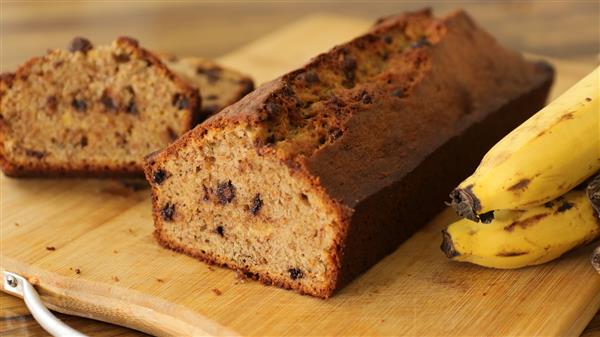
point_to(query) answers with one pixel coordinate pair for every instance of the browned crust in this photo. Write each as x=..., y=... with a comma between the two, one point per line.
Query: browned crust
x=89, y=170
x=264, y=279
x=85, y=170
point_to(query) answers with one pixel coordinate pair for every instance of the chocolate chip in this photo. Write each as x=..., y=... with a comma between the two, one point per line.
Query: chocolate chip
x=247, y=85
x=398, y=92
x=270, y=139
x=225, y=192
x=273, y=108
x=83, y=142
x=220, y=230
x=131, y=107
x=208, y=110
x=336, y=102
x=34, y=153
x=387, y=39
x=80, y=44
x=121, y=58
x=130, y=90
x=256, y=205
x=213, y=74
x=79, y=105
x=364, y=97
x=107, y=101
x=349, y=63
x=295, y=273
x=52, y=103
x=168, y=211
x=422, y=41
x=180, y=101
x=7, y=78
x=206, y=196
x=309, y=77
x=287, y=91
x=172, y=134
x=384, y=55
x=159, y=176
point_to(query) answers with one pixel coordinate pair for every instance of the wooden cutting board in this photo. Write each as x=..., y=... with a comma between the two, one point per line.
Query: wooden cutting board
x=88, y=246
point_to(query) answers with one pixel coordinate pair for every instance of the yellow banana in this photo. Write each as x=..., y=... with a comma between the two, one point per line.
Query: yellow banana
x=520, y=238
x=546, y=156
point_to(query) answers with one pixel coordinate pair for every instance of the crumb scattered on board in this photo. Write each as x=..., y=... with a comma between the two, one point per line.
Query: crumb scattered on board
x=217, y=291
x=160, y=280
x=115, y=278
x=240, y=277
x=50, y=248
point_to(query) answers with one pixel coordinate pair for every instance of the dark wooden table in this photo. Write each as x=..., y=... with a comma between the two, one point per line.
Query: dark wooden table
x=567, y=30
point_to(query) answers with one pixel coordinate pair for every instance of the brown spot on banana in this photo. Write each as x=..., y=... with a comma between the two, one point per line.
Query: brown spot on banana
x=520, y=185
x=448, y=246
x=568, y=115
x=510, y=254
x=532, y=220
x=565, y=206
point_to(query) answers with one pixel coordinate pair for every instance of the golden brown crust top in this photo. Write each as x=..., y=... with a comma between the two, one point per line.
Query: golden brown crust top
x=449, y=70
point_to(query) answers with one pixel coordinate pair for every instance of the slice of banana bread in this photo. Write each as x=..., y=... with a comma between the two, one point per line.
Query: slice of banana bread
x=314, y=177
x=91, y=111
x=219, y=86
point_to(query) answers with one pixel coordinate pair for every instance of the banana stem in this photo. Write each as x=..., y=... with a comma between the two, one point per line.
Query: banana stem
x=593, y=193
x=466, y=205
x=596, y=259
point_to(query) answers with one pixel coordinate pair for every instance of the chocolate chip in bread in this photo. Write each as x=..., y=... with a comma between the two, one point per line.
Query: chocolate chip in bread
x=219, y=86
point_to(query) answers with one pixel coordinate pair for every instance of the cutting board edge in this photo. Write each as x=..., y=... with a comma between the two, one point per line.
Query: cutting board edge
x=125, y=307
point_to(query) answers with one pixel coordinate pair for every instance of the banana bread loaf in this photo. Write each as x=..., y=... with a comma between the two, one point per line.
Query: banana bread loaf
x=314, y=177
x=91, y=111
x=219, y=86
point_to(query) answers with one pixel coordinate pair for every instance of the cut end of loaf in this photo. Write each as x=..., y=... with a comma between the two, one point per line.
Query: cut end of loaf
x=90, y=111
x=220, y=200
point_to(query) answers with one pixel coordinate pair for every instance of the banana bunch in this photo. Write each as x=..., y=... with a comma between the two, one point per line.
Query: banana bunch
x=542, y=159
x=518, y=238
x=520, y=205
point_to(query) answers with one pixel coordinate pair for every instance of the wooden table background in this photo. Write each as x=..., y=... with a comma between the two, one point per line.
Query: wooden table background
x=562, y=29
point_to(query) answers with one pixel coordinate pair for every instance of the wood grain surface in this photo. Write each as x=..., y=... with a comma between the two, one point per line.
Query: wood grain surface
x=109, y=199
